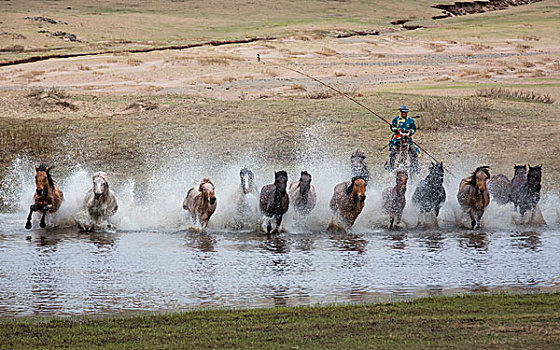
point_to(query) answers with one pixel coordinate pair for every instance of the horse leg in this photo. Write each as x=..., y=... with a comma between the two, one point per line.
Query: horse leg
x=473, y=220
x=43, y=224
x=268, y=226
x=31, y=210
x=391, y=221
x=278, y=222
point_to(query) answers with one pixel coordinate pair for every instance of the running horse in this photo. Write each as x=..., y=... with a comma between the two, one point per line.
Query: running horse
x=348, y=200
x=201, y=202
x=473, y=195
x=274, y=201
x=302, y=194
x=100, y=202
x=430, y=194
x=394, y=199
x=47, y=197
x=530, y=195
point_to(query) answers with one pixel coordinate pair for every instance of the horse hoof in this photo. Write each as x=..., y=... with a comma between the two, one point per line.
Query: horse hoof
x=43, y=225
x=28, y=225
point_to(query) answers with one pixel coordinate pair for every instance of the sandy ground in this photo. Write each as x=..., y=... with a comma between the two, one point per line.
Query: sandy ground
x=355, y=64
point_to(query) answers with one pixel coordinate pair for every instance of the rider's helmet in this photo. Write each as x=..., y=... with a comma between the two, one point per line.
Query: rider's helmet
x=404, y=108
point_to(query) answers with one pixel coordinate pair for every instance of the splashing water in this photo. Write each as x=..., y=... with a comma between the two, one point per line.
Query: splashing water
x=156, y=202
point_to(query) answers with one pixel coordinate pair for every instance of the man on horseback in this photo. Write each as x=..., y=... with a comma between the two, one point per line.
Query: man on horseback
x=403, y=127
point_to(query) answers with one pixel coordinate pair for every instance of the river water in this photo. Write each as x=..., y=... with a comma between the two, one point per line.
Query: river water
x=153, y=261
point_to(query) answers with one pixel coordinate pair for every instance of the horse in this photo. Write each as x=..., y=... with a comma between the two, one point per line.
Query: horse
x=394, y=199
x=274, y=201
x=302, y=194
x=499, y=187
x=246, y=201
x=348, y=200
x=358, y=166
x=473, y=195
x=518, y=182
x=530, y=194
x=100, y=202
x=47, y=197
x=201, y=202
x=429, y=195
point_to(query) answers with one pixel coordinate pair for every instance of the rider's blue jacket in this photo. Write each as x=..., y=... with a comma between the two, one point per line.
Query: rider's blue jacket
x=405, y=125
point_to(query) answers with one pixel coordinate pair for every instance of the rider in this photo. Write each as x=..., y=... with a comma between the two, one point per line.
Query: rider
x=403, y=127
x=359, y=166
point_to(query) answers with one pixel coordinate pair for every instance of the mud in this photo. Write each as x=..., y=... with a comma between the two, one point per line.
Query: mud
x=462, y=8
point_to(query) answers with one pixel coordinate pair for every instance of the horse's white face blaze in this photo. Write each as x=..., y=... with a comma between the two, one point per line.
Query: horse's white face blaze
x=208, y=192
x=246, y=183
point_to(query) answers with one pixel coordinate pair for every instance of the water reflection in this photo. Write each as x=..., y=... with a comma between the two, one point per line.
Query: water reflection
x=276, y=244
x=202, y=241
x=527, y=240
x=476, y=240
x=398, y=239
x=349, y=242
x=433, y=240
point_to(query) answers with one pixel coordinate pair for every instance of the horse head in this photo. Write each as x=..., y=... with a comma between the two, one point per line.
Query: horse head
x=534, y=176
x=436, y=173
x=357, y=189
x=401, y=179
x=520, y=169
x=100, y=184
x=281, y=180
x=247, y=180
x=480, y=176
x=304, y=182
x=43, y=179
x=206, y=188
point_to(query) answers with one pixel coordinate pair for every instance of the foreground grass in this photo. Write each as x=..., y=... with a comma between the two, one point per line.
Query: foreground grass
x=475, y=321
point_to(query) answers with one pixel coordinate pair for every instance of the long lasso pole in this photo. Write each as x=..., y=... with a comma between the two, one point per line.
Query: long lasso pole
x=345, y=95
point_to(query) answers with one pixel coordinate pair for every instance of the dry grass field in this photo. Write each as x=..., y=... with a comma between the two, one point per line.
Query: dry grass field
x=218, y=99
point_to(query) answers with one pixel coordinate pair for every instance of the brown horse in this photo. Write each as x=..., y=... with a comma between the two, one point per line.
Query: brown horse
x=348, y=200
x=302, y=194
x=274, y=201
x=394, y=199
x=473, y=194
x=201, y=202
x=47, y=197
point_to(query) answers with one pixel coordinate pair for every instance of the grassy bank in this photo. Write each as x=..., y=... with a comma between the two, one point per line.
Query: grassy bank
x=476, y=321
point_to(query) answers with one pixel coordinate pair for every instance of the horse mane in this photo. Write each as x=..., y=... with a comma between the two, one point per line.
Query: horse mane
x=305, y=173
x=280, y=173
x=471, y=180
x=205, y=180
x=47, y=170
x=351, y=187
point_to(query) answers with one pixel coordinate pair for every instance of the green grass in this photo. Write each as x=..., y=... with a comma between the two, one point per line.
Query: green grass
x=465, y=322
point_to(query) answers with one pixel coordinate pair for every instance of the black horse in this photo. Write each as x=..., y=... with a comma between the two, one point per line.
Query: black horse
x=531, y=190
x=274, y=201
x=429, y=196
x=518, y=185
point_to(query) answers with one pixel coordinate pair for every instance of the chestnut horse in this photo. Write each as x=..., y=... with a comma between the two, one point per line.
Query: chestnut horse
x=274, y=201
x=473, y=195
x=394, y=199
x=302, y=194
x=47, y=197
x=348, y=200
x=201, y=202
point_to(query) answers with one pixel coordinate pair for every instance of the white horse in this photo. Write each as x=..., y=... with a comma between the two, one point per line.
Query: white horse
x=246, y=201
x=100, y=202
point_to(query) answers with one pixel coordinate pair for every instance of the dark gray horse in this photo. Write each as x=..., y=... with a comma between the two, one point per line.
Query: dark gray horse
x=429, y=196
x=302, y=194
x=531, y=190
x=518, y=184
x=274, y=201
